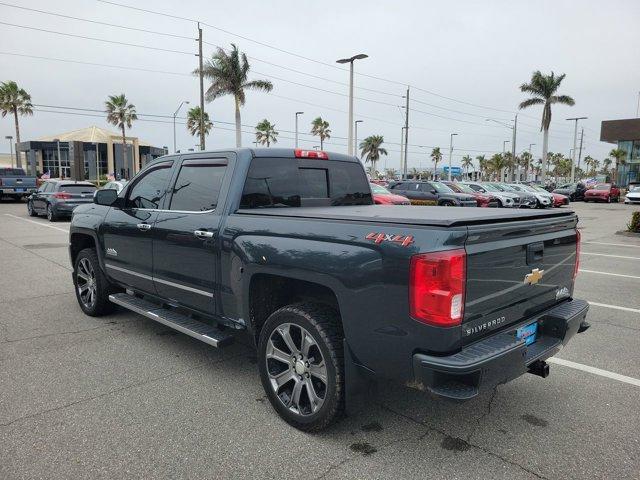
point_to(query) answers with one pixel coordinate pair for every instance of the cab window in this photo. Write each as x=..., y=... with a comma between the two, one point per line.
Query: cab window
x=150, y=190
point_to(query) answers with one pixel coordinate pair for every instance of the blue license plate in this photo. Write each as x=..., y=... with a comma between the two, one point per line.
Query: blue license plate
x=528, y=333
x=19, y=189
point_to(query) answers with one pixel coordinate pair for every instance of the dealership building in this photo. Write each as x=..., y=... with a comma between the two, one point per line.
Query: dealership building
x=86, y=154
x=626, y=135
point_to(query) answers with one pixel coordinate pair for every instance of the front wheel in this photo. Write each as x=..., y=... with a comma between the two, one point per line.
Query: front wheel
x=301, y=365
x=91, y=286
x=31, y=210
x=447, y=203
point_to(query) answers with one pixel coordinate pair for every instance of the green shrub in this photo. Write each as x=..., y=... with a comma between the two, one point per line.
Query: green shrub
x=634, y=224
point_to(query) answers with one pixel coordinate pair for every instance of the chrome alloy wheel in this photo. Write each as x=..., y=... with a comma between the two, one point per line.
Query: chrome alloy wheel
x=297, y=371
x=86, y=283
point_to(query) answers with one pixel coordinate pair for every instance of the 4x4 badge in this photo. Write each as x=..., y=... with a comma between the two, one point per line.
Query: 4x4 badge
x=534, y=277
x=404, y=240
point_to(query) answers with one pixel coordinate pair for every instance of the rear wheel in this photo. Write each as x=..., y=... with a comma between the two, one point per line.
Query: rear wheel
x=51, y=216
x=447, y=203
x=91, y=286
x=301, y=365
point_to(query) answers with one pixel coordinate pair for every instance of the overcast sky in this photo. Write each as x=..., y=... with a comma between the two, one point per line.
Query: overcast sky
x=470, y=51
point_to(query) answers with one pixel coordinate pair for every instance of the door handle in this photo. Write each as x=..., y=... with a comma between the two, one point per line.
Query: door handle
x=203, y=234
x=143, y=226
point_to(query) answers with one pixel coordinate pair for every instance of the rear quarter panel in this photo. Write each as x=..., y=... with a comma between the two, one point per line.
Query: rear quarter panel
x=369, y=280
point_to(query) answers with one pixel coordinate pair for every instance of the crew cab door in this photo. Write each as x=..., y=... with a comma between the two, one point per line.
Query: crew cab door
x=186, y=234
x=127, y=230
x=428, y=192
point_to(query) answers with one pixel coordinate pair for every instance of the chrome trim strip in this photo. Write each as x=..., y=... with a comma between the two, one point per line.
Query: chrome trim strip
x=160, y=280
x=183, y=287
x=129, y=272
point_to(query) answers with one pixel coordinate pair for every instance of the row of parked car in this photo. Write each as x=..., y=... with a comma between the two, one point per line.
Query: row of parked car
x=467, y=194
x=601, y=192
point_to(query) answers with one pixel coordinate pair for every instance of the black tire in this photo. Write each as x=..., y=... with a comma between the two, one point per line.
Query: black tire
x=101, y=305
x=447, y=203
x=31, y=210
x=51, y=215
x=322, y=323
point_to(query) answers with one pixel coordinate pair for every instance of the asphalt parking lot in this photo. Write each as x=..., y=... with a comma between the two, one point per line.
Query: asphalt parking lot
x=124, y=397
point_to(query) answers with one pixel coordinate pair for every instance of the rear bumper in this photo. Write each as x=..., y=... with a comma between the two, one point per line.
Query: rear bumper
x=65, y=208
x=498, y=358
x=17, y=190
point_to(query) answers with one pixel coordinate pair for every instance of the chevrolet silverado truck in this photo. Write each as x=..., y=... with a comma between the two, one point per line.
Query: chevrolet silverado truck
x=15, y=183
x=287, y=247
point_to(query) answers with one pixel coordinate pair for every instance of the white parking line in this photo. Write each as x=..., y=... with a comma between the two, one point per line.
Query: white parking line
x=608, y=255
x=615, y=307
x=595, y=371
x=582, y=270
x=613, y=244
x=37, y=223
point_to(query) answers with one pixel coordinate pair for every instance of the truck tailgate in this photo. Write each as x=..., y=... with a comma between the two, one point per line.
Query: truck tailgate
x=515, y=270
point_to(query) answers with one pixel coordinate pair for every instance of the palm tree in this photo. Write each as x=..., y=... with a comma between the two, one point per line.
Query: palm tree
x=467, y=162
x=525, y=160
x=436, y=156
x=15, y=100
x=588, y=161
x=371, y=149
x=544, y=89
x=509, y=164
x=193, y=122
x=620, y=157
x=121, y=114
x=606, y=163
x=497, y=164
x=320, y=128
x=391, y=172
x=415, y=173
x=266, y=133
x=482, y=165
x=228, y=74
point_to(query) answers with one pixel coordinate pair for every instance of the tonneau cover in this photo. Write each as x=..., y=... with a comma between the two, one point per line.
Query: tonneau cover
x=418, y=215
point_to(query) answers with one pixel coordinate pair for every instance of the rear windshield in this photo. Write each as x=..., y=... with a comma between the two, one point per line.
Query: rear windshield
x=289, y=182
x=77, y=188
x=11, y=172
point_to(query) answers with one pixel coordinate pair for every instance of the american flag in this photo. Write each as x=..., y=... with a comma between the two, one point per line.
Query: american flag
x=46, y=176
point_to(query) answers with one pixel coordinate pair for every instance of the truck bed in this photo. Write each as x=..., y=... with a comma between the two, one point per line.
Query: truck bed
x=416, y=215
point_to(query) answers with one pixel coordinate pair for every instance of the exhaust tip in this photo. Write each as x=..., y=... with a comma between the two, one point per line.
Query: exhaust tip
x=539, y=368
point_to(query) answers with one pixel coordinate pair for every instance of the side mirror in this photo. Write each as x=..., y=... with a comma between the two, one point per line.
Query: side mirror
x=105, y=197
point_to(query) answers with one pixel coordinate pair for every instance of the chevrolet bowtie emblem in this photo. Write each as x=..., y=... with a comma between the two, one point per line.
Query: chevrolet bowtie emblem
x=534, y=277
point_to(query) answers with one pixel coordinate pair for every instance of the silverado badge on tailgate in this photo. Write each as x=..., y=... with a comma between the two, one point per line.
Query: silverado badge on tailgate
x=534, y=277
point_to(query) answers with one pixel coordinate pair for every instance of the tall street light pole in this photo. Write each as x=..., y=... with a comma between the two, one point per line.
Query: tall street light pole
x=575, y=140
x=350, y=61
x=10, y=138
x=174, y=123
x=355, y=143
x=451, y=152
x=297, y=113
x=201, y=80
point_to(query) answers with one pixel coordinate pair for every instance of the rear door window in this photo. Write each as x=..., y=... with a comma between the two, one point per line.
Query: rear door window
x=198, y=185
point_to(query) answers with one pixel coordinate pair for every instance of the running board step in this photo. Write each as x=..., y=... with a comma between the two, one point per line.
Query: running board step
x=201, y=331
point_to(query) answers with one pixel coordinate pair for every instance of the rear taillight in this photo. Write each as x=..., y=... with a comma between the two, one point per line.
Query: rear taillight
x=577, y=265
x=62, y=195
x=311, y=154
x=436, y=287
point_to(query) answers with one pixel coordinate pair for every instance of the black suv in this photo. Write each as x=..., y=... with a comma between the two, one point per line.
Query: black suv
x=58, y=198
x=575, y=191
x=432, y=193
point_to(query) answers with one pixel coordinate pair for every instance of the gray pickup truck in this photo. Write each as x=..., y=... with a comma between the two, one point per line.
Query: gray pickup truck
x=15, y=183
x=286, y=247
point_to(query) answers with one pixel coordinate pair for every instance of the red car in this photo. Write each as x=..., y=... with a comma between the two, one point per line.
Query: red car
x=603, y=192
x=560, y=200
x=382, y=196
x=482, y=199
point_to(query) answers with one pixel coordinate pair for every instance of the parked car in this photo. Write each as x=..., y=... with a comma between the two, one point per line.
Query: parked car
x=575, y=191
x=505, y=199
x=558, y=199
x=286, y=248
x=116, y=185
x=527, y=199
x=633, y=195
x=482, y=199
x=58, y=198
x=434, y=193
x=603, y=192
x=382, y=196
x=543, y=198
x=15, y=183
